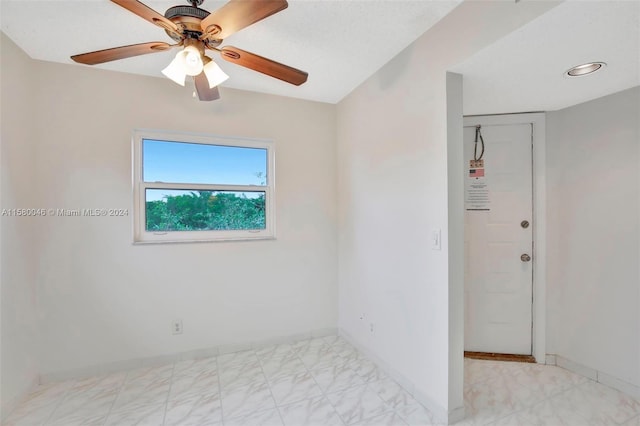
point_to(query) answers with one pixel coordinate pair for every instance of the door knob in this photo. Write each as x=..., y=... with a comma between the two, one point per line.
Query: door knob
x=525, y=257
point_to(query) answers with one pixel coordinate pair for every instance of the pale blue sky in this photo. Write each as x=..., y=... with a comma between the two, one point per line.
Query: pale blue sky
x=179, y=162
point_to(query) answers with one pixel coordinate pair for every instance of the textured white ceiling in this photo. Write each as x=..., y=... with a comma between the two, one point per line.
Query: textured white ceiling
x=339, y=43
x=525, y=70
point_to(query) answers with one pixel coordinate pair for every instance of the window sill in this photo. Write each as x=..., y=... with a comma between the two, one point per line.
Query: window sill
x=217, y=240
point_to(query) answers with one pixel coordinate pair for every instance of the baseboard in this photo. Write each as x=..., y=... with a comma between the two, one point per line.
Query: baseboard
x=132, y=364
x=457, y=415
x=9, y=405
x=621, y=385
x=582, y=370
x=595, y=375
x=441, y=414
x=550, y=359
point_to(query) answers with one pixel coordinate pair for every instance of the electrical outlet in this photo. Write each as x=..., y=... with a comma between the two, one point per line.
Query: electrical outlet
x=177, y=326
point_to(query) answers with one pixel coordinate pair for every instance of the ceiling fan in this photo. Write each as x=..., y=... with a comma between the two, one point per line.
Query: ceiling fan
x=197, y=30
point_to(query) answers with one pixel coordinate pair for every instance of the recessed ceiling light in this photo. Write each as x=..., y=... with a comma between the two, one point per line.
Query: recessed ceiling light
x=585, y=69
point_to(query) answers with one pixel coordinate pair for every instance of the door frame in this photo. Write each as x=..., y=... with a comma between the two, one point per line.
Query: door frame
x=539, y=264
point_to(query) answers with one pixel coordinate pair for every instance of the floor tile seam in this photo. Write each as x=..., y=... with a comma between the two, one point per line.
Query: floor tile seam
x=302, y=348
x=349, y=387
x=276, y=378
x=549, y=398
x=636, y=413
x=366, y=385
x=590, y=381
x=313, y=377
x=538, y=401
x=270, y=391
x=401, y=403
x=308, y=347
x=378, y=415
x=587, y=421
x=512, y=413
x=220, y=372
x=194, y=386
x=297, y=401
x=483, y=380
x=283, y=374
x=519, y=386
x=233, y=388
x=263, y=361
x=281, y=416
x=346, y=365
x=166, y=400
x=369, y=385
x=633, y=416
x=239, y=364
x=280, y=374
x=563, y=391
x=406, y=419
x=493, y=418
x=62, y=399
x=58, y=403
x=65, y=398
x=637, y=416
x=324, y=394
x=181, y=374
x=220, y=390
x=252, y=413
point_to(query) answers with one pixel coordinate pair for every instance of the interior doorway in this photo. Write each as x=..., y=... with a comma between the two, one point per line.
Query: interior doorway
x=504, y=205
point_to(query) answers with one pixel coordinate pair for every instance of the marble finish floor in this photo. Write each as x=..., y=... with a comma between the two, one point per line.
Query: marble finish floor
x=322, y=381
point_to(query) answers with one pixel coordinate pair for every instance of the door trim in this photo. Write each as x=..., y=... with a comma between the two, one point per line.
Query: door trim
x=537, y=119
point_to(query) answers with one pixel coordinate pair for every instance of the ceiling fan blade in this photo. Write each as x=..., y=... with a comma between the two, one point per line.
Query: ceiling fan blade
x=145, y=12
x=263, y=65
x=238, y=14
x=203, y=90
x=113, y=54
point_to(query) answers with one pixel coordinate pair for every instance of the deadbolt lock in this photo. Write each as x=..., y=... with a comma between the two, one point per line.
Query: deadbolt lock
x=525, y=257
x=524, y=224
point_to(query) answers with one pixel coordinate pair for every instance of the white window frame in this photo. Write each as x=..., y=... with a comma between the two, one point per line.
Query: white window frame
x=142, y=236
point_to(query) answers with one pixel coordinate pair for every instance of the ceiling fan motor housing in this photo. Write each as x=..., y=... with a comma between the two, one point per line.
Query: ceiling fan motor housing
x=182, y=10
x=187, y=16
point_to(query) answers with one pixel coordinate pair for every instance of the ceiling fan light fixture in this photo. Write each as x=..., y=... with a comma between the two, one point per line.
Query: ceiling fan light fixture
x=195, y=30
x=192, y=60
x=175, y=70
x=214, y=73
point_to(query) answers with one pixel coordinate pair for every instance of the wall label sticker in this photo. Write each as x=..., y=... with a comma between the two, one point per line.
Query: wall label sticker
x=475, y=164
x=476, y=189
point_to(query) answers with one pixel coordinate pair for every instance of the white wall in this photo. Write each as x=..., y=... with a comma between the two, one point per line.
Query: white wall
x=455, y=233
x=394, y=189
x=103, y=300
x=593, y=242
x=19, y=367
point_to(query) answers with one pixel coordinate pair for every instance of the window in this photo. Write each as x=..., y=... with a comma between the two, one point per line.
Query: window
x=201, y=188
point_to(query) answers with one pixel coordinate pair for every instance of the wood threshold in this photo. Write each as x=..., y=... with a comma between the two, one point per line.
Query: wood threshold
x=499, y=357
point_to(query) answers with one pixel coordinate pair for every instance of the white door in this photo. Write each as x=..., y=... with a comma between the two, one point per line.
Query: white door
x=498, y=244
